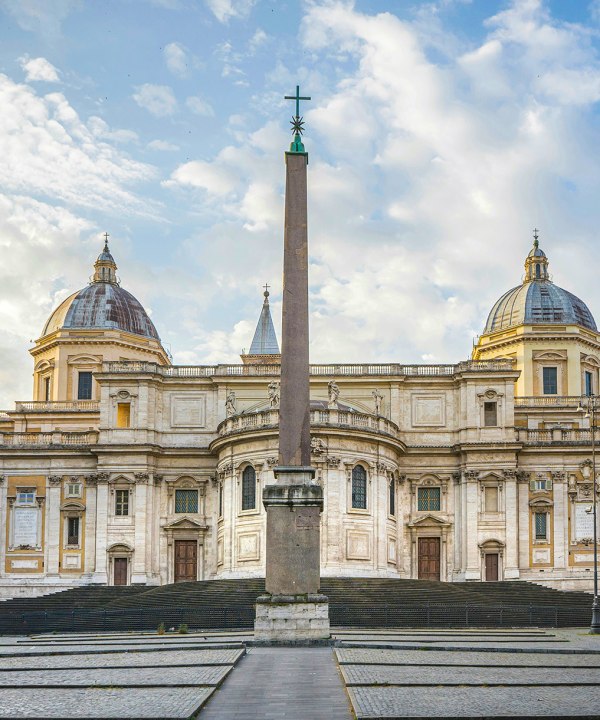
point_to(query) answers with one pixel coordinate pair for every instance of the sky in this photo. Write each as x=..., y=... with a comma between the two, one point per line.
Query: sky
x=439, y=133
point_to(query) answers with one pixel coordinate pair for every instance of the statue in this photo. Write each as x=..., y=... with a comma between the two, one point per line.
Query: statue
x=334, y=392
x=273, y=388
x=230, y=404
x=377, y=397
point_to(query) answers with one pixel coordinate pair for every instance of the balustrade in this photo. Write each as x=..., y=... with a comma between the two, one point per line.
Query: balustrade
x=58, y=406
x=20, y=439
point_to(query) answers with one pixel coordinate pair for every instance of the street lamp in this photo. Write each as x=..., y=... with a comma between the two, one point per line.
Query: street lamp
x=590, y=404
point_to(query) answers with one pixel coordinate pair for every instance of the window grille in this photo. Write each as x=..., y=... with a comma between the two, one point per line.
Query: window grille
x=73, y=531
x=121, y=502
x=84, y=386
x=429, y=498
x=359, y=488
x=541, y=526
x=249, y=488
x=186, y=501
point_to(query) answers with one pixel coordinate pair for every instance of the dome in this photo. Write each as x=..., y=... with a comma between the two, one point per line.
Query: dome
x=103, y=305
x=538, y=301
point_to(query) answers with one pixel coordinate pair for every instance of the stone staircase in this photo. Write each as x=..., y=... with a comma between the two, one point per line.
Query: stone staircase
x=354, y=602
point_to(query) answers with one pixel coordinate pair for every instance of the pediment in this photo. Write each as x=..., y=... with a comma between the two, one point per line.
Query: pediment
x=185, y=523
x=429, y=521
x=72, y=505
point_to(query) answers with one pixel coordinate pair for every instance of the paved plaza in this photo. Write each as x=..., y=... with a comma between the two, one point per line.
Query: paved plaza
x=367, y=674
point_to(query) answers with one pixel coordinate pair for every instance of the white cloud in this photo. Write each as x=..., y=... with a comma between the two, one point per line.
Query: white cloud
x=48, y=150
x=199, y=106
x=159, y=100
x=176, y=59
x=225, y=10
x=39, y=70
x=42, y=16
x=163, y=145
x=100, y=129
x=259, y=39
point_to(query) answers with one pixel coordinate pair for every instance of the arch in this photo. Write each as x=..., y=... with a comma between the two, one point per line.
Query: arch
x=359, y=487
x=121, y=548
x=249, y=487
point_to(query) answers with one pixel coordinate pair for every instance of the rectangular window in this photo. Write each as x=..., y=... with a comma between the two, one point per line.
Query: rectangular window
x=220, y=499
x=490, y=414
x=123, y=415
x=73, y=531
x=186, y=501
x=392, y=497
x=541, y=525
x=541, y=484
x=73, y=489
x=550, y=380
x=121, y=502
x=84, y=386
x=490, y=499
x=428, y=498
x=589, y=387
x=25, y=497
x=46, y=389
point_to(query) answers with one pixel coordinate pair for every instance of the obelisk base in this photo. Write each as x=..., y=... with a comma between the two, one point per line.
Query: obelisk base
x=292, y=609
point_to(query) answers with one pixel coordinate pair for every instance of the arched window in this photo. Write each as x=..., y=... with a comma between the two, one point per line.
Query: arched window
x=538, y=273
x=392, y=497
x=359, y=488
x=249, y=488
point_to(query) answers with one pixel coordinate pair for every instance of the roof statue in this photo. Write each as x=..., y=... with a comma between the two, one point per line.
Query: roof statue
x=538, y=301
x=265, y=339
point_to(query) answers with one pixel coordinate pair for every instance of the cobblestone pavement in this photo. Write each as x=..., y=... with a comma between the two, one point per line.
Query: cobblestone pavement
x=492, y=681
x=129, y=659
x=367, y=656
x=104, y=703
x=412, y=702
x=133, y=677
x=275, y=683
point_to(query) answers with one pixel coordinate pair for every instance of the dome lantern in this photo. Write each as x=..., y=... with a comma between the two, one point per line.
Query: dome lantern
x=536, y=263
x=105, y=267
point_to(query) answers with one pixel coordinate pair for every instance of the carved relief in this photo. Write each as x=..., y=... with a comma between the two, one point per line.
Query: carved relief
x=317, y=446
x=55, y=479
x=141, y=477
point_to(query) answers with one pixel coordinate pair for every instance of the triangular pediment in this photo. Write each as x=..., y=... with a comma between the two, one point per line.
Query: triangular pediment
x=185, y=523
x=429, y=521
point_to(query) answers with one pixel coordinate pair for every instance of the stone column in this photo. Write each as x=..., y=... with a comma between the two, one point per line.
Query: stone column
x=100, y=573
x=473, y=560
x=292, y=608
x=511, y=515
x=53, y=538
x=138, y=575
x=90, y=523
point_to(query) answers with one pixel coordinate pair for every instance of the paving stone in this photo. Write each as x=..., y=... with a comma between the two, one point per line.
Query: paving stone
x=101, y=703
x=211, y=675
x=368, y=656
x=124, y=659
x=419, y=675
x=20, y=650
x=411, y=702
x=290, y=683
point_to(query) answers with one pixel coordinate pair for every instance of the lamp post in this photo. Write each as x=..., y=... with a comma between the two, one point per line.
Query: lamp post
x=590, y=404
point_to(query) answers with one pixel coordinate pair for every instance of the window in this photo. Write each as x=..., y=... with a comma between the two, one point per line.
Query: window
x=359, y=488
x=249, y=488
x=392, y=497
x=490, y=414
x=73, y=489
x=490, y=498
x=84, y=386
x=73, y=531
x=25, y=497
x=122, y=502
x=550, y=380
x=123, y=415
x=428, y=498
x=541, y=484
x=541, y=525
x=46, y=389
x=538, y=273
x=186, y=501
x=220, y=499
x=589, y=386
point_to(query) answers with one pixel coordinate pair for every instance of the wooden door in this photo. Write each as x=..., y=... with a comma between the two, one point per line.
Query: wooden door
x=186, y=560
x=491, y=567
x=120, y=571
x=429, y=558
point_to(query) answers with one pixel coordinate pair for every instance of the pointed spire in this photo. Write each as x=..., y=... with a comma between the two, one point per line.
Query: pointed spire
x=536, y=263
x=105, y=267
x=265, y=339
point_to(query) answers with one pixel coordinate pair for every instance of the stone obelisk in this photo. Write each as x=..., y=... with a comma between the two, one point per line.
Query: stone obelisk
x=292, y=608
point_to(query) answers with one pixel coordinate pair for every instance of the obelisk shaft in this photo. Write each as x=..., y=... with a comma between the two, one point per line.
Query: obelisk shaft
x=294, y=412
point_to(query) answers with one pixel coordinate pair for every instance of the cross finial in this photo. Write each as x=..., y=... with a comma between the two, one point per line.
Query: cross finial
x=266, y=287
x=535, y=236
x=297, y=97
x=297, y=122
x=106, y=236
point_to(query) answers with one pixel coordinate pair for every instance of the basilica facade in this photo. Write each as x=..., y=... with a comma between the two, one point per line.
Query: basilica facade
x=125, y=468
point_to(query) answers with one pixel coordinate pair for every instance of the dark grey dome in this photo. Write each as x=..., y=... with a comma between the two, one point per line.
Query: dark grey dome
x=538, y=300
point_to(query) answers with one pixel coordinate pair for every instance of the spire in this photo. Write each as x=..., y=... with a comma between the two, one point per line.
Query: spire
x=105, y=267
x=536, y=263
x=265, y=340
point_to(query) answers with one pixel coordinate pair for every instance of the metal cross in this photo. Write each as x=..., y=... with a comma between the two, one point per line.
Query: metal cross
x=297, y=98
x=266, y=287
x=535, y=233
x=106, y=236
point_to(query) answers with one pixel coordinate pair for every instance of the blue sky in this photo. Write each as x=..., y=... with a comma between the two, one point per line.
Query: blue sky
x=440, y=133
